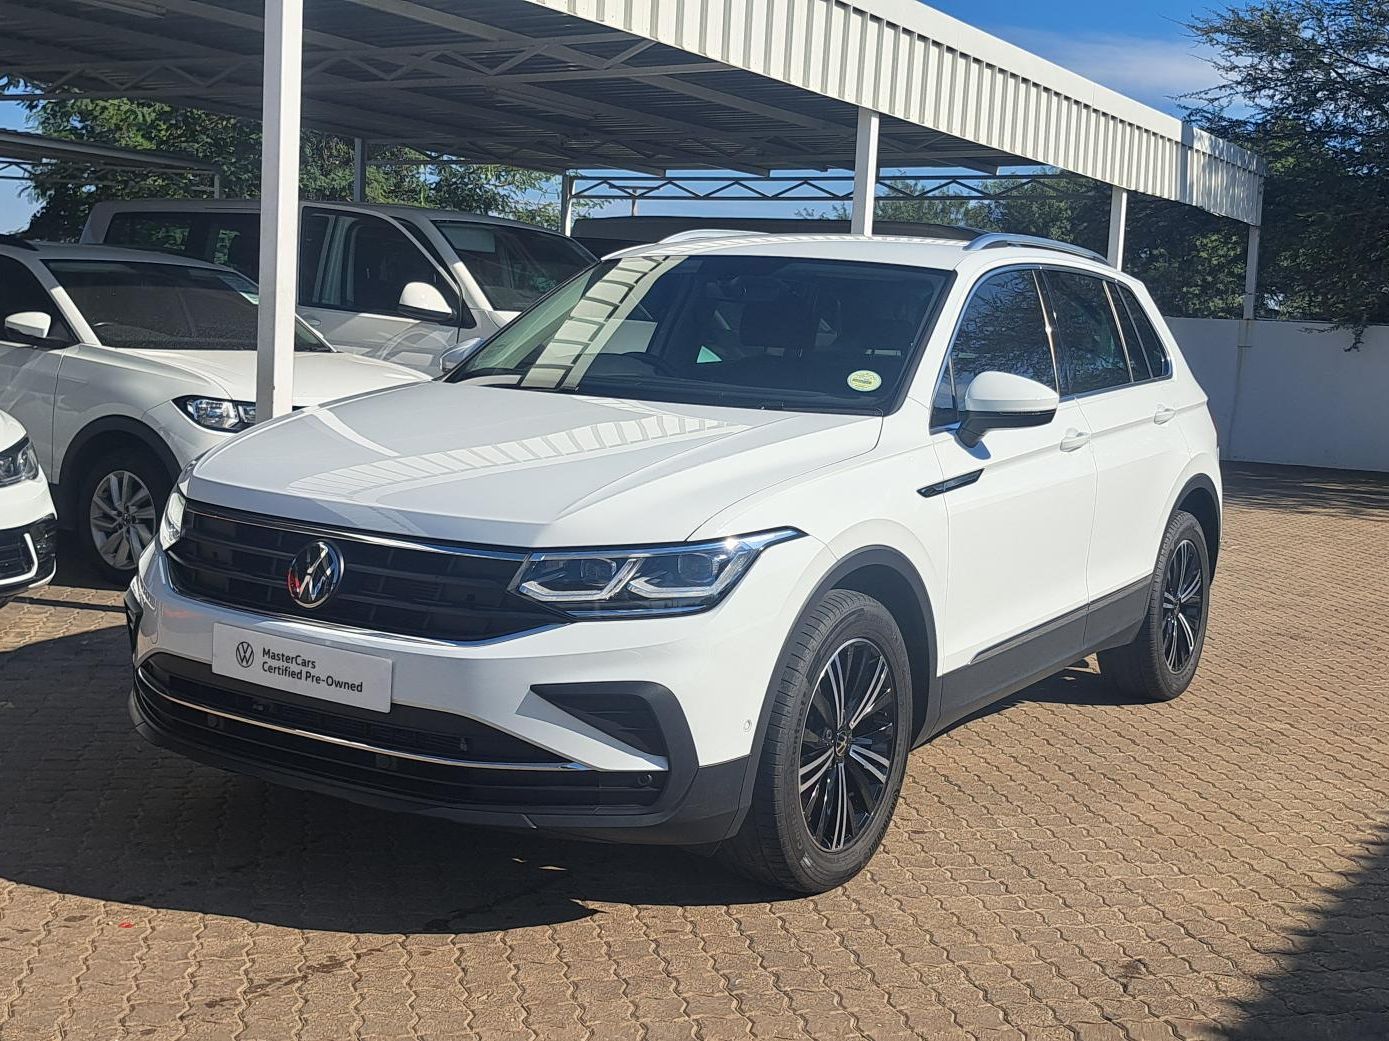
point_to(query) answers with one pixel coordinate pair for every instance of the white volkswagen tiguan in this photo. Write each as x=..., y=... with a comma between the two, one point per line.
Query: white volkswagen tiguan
x=699, y=548
x=124, y=365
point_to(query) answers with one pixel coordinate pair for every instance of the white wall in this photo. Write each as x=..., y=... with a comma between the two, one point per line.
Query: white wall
x=1303, y=398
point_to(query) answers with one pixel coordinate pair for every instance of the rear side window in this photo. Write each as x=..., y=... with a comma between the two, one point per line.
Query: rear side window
x=1144, y=340
x=1003, y=329
x=1092, y=348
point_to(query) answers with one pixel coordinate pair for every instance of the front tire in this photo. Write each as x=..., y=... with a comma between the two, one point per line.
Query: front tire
x=835, y=750
x=119, y=503
x=1160, y=663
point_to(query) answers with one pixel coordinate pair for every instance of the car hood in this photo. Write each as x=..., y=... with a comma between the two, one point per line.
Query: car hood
x=317, y=377
x=516, y=468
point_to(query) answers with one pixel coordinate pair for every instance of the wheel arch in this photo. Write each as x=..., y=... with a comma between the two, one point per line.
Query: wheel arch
x=1199, y=498
x=98, y=438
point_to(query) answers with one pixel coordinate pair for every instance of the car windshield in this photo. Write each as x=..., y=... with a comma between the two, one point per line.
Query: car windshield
x=747, y=331
x=166, y=307
x=514, y=266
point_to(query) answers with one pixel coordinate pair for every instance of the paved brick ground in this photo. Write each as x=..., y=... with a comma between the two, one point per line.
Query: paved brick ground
x=1064, y=867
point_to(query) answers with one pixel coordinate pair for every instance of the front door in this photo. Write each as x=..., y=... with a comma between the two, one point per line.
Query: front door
x=29, y=372
x=1019, y=504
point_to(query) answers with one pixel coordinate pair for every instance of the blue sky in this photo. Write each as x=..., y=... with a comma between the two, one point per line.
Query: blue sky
x=1138, y=47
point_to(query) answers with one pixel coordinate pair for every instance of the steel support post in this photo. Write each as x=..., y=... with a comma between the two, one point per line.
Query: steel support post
x=279, y=207
x=865, y=172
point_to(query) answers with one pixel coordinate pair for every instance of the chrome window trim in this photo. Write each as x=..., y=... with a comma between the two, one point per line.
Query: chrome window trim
x=360, y=746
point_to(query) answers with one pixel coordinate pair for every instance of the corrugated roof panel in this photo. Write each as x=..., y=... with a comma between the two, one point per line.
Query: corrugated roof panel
x=981, y=90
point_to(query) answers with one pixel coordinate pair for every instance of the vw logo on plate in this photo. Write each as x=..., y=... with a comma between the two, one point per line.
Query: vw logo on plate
x=245, y=655
x=315, y=574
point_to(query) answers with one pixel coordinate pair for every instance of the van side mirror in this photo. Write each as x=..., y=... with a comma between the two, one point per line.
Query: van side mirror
x=998, y=400
x=456, y=356
x=31, y=327
x=424, y=301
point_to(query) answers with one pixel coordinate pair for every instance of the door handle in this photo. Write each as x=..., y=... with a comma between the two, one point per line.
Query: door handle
x=1075, y=439
x=1163, y=414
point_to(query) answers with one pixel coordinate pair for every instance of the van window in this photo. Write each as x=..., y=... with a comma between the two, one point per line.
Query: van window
x=514, y=266
x=356, y=262
x=233, y=239
x=165, y=232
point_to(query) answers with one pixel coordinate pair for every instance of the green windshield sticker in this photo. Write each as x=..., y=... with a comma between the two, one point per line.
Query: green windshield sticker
x=865, y=381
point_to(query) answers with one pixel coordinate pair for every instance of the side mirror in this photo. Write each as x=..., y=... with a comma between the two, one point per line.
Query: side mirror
x=456, y=356
x=997, y=400
x=423, y=301
x=29, y=326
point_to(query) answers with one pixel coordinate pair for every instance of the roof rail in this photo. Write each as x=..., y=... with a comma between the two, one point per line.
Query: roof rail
x=18, y=241
x=994, y=239
x=694, y=234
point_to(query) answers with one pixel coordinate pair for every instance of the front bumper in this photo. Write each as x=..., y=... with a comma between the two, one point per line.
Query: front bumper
x=551, y=709
x=28, y=557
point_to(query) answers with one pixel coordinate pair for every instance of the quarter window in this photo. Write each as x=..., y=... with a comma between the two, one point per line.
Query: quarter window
x=1148, y=343
x=1092, y=349
x=1003, y=329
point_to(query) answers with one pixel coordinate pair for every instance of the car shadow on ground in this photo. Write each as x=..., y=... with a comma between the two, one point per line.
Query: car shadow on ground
x=90, y=809
x=1304, y=489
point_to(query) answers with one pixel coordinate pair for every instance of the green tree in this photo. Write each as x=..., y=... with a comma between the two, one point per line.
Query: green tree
x=1306, y=85
x=66, y=193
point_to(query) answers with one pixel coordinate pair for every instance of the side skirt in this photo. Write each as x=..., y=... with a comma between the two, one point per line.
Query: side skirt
x=1022, y=660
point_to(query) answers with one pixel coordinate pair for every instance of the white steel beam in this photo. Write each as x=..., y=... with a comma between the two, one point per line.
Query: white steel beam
x=359, y=170
x=1118, y=225
x=865, y=172
x=279, y=208
x=566, y=204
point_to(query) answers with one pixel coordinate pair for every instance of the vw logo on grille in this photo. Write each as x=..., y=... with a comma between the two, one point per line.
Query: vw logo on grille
x=315, y=574
x=245, y=655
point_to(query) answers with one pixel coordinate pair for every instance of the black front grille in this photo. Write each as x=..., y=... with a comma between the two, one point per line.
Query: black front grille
x=534, y=790
x=443, y=592
x=16, y=559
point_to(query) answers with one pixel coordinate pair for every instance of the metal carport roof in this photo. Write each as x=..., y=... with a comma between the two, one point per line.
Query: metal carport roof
x=646, y=85
x=640, y=84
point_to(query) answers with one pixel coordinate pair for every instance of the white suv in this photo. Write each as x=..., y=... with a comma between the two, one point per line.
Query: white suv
x=28, y=529
x=699, y=547
x=124, y=365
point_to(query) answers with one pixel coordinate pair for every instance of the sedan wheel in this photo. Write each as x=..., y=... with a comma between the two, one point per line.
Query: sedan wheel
x=123, y=519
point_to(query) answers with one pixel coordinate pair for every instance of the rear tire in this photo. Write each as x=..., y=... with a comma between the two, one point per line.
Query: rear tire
x=835, y=750
x=120, y=501
x=1160, y=662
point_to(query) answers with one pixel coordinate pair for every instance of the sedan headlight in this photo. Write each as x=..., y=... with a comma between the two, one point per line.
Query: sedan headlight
x=19, y=463
x=218, y=414
x=646, y=580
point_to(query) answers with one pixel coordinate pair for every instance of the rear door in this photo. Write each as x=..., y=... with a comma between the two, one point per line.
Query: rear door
x=1115, y=368
x=1020, y=508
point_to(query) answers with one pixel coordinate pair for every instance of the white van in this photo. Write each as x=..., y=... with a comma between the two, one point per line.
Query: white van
x=399, y=283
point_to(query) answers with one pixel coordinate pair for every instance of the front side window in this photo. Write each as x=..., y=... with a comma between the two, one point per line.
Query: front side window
x=515, y=267
x=21, y=291
x=744, y=331
x=167, y=306
x=355, y=262
x=1003, y=329
x=1092, y=349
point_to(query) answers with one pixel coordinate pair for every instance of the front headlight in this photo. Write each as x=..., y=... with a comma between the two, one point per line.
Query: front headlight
x=647, y=580
x=171, y=526
x=19, y=463
x=218, y=414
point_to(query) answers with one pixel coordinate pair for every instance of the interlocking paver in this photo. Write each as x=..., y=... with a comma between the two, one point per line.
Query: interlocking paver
x=1064, y=867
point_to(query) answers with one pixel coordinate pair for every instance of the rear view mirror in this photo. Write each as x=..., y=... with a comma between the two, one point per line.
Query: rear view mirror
x=456, y=356
x=29, y=326
x=998, y=400
x=423, y=301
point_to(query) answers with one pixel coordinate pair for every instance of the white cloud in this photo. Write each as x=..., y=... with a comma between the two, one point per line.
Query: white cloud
x=1150, y=69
